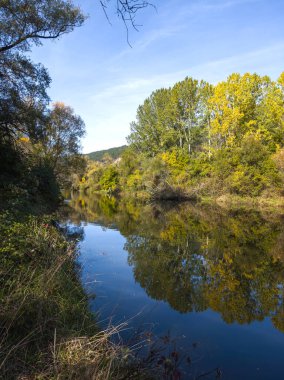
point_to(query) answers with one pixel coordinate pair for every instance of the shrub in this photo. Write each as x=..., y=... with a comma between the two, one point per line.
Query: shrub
x=109, y=180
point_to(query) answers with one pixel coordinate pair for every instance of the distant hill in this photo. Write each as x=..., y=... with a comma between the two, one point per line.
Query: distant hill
x=113, y=152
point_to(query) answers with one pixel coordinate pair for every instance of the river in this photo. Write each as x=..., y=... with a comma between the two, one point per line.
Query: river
x=206, y=282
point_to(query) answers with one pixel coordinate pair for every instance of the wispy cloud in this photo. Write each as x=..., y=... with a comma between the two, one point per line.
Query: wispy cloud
x=115, y=106
x=215, y=5
x=248, y=61
x=177, y=22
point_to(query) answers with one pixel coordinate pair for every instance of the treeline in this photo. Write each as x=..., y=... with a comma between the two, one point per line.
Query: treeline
x=39, y=143
x=195, y=139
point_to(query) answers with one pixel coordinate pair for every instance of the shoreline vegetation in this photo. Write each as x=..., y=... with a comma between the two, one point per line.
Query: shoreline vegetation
x=196, y=141
x=47, y=329
x=226, y=201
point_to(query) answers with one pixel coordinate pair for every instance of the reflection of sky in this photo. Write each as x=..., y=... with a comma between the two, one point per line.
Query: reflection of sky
x=249, y=351
x=104, y=80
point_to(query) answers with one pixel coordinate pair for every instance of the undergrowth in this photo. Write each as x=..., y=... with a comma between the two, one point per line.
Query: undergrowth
x=47, y=331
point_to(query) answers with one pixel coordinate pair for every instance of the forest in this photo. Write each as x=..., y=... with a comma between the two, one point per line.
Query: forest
x=196, y=140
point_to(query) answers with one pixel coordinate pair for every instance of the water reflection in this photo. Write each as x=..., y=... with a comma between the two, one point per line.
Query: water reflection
x=196, y=258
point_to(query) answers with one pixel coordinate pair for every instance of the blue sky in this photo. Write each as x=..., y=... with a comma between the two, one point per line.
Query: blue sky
x=95, y=71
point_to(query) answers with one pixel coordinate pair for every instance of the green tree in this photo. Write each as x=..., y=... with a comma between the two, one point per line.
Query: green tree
x=189, y=105
x=60, y=140
x=27, y=22
x=172, y=118
x=109, y=179
x=23, y=96
x=232, y=133
x=23, y=23
x=152, y=131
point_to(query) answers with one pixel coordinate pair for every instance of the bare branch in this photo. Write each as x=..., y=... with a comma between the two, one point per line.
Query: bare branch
x=126, y=10
x=105, y=11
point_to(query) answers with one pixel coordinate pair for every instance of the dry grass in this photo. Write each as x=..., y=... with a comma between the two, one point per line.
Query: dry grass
x=89, y=358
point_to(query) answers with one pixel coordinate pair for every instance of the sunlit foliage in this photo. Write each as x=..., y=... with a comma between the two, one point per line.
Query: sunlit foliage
x=195, y=139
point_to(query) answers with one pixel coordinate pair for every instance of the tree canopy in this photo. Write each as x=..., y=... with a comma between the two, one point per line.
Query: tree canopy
x=37, y=141
x=27, y=22
x=213, y=140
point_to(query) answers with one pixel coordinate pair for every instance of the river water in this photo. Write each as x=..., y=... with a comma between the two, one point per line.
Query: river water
x=206, y=282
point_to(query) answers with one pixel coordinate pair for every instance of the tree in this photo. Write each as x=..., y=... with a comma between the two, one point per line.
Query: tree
x=23, y=94
x=109, y=179
x=107, y=159
x=152, y=131
x=24, y=112
x=172, y=118
x=189, y=104
x=22, y=24
x=27, y=22
x=60, y=140
x=247, y=104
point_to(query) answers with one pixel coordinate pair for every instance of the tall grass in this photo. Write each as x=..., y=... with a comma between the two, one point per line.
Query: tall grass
x=47, y=330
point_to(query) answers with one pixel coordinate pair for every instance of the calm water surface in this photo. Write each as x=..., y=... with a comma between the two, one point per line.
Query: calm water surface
x=211, y=280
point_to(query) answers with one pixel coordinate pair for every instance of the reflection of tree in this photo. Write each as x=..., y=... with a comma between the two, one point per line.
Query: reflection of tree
x=168, y=274
x=239, y=296
x=196, y=258
x=91, y=209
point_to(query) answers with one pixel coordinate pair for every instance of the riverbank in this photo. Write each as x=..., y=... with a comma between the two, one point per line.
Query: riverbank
x=273, y=203
x=47, y=330
x=42, y=302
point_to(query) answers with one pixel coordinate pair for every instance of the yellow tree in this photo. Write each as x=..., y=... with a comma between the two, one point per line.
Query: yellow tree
x=234, y=107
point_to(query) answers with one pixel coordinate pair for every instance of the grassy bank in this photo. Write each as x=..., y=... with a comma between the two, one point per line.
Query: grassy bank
x=47, y=331
x=41, y=301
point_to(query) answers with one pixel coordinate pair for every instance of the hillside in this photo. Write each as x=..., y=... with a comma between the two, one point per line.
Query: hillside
x=113, y=152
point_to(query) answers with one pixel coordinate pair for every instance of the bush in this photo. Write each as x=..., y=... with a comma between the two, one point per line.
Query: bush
x=246, y=180
x=109, y=180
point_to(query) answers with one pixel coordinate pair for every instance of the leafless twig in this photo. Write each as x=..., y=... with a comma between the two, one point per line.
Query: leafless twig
x=126, y=10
